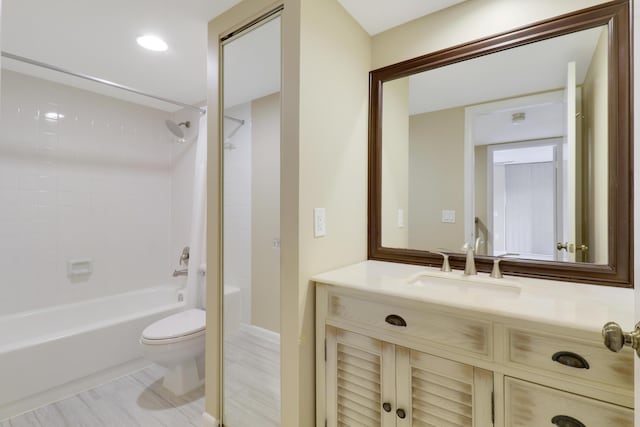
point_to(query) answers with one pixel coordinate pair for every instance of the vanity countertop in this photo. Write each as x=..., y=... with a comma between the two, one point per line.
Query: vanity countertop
x=586, y=307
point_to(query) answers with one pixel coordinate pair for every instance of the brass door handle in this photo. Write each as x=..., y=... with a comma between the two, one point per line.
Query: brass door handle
x=583, y=248
x=615, y=338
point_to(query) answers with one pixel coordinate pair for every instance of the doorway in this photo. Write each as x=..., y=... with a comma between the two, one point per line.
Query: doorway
x=525, y=185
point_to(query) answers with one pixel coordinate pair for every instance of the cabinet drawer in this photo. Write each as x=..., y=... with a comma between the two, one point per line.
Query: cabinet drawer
x=469, y=335
x=601, y=366
x=530, y=405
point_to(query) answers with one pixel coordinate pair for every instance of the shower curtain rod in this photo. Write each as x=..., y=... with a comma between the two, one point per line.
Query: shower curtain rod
x=98, y=80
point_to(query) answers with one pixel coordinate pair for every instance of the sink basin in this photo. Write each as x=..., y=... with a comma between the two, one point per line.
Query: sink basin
x=456, y=282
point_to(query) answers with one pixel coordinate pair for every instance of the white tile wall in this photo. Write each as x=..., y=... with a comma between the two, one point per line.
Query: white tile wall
x=183, y=160
x=95, y=182
x=237, y=207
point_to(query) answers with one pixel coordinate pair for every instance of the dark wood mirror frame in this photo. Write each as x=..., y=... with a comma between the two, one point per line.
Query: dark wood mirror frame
x=619, y=271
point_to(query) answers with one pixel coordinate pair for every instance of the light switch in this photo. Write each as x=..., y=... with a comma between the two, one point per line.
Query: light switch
x=400, y=218
x=449, y=216
x=319, y=222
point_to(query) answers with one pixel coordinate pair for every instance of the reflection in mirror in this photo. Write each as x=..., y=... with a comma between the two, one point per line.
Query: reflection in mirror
x=507, y=152
x=251, y=226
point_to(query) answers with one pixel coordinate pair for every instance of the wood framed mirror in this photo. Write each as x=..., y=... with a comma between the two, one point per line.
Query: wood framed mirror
x=519, y=144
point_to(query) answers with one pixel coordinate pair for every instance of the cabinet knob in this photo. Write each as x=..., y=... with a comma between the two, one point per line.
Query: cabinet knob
x=386, y=406
x=615, y=338
x=570, y=359
x=566, y=421
x=395, y=320
x=401, y=414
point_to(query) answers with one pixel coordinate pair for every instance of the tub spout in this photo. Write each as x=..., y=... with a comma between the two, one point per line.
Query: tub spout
x=182, y=272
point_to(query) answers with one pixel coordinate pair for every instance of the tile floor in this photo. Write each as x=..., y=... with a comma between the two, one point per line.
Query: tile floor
x=252, y=373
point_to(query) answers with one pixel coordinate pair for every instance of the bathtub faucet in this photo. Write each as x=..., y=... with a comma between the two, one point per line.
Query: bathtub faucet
x=183, y=272
x=183, y=260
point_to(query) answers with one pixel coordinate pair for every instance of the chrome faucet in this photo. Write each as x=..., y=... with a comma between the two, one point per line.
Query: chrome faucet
x=445, y=261
x=470, y=265
x=182, y=272
x=496, y=273
x=183, y=260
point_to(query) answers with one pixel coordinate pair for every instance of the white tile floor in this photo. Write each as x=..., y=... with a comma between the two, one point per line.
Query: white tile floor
x=252, y=397
x=131, y=401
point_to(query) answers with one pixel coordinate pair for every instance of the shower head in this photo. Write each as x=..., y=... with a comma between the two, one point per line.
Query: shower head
x=174, y=127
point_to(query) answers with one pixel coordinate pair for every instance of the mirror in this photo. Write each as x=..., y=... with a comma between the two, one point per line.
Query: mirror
x=517, y=145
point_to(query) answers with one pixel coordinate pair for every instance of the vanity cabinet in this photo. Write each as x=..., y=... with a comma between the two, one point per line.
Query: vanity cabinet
x=373, y=382
x=387, y=360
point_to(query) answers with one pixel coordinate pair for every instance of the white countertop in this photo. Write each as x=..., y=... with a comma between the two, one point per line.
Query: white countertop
x=574, y=305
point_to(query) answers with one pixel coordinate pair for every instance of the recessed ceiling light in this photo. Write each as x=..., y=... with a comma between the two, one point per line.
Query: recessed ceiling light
x=153, y=43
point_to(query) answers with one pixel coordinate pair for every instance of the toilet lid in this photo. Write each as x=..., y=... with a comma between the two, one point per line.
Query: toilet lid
x=175, y=326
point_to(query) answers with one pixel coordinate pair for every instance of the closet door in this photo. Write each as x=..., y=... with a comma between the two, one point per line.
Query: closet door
x=436, y=392
x=360, y=380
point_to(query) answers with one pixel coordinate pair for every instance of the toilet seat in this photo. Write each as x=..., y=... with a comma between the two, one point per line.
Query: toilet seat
x=178, y=327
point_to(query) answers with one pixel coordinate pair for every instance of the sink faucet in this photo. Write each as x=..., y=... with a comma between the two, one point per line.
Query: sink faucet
x=470, y=265
x=495, y=272
x=445, y=260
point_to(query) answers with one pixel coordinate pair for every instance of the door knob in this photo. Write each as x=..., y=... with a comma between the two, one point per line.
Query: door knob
x=560, y=246
x=615, y=338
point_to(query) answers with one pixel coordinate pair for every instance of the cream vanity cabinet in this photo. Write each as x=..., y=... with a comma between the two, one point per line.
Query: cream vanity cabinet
x=393, y=361
x=379, y=383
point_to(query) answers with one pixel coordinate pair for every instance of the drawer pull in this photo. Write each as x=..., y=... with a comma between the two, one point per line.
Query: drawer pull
x=395, y=320
x=566, y=421
x=386, y=406
x=570, y=359
x=401, y=414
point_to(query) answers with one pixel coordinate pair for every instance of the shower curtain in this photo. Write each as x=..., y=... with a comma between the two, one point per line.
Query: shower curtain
x=197, y=255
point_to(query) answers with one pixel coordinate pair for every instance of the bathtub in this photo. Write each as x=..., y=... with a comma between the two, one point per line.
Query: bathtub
x=49, y=354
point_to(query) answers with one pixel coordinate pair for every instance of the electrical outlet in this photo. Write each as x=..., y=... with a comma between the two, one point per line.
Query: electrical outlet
x=319, y=222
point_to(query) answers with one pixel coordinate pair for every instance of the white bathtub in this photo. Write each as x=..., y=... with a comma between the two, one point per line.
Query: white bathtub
x=48, y=354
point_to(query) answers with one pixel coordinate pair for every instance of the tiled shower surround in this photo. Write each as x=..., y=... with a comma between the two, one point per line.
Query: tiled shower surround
x=82, y=176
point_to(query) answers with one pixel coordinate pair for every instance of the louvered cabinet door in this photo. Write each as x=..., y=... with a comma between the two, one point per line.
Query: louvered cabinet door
x=360, y=380
x=435, y=392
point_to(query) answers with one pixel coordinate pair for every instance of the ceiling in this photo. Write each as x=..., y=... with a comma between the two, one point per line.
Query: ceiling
x=376, y=16
x=98, y=38
x=536, y=67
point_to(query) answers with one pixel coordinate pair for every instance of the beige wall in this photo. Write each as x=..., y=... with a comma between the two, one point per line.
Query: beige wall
x=462, y=23
x=436, y=179
x=395, y=163
x=596, y=137
x=265, y=212
x=335, y=59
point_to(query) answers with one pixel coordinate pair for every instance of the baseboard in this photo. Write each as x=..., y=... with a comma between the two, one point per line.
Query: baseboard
x=209, y=421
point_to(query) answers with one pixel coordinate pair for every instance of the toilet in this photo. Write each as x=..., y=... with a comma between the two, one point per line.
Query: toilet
x=177, y=343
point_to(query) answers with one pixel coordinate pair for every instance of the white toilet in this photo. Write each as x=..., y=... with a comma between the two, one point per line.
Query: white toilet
x=177, y=342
